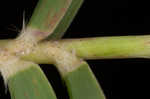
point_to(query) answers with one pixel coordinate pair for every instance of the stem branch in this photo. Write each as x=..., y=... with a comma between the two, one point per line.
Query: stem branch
x=91, y=48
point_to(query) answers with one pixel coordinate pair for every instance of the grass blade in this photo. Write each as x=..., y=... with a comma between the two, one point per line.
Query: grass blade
x=82, y=84
x=30, y=83
x=67, y=19
x=47, y=15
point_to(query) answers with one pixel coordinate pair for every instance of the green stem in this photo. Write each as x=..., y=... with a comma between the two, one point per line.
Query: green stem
x=93, y=48
x=110, y=47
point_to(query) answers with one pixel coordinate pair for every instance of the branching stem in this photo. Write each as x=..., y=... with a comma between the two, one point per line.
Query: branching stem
x=90, y=48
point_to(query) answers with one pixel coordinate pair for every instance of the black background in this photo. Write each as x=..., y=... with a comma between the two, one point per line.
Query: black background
x=119, y=78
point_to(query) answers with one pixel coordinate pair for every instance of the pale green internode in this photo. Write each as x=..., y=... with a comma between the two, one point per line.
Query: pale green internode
x=99, y=47
x=110, y=47
x=89, y=48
